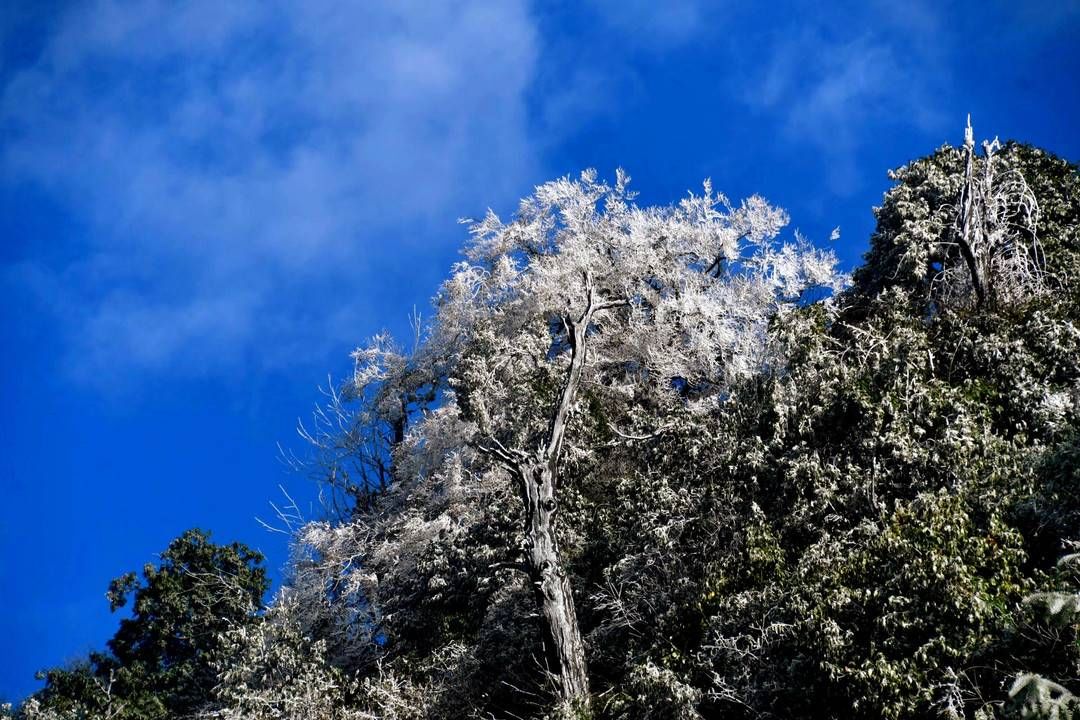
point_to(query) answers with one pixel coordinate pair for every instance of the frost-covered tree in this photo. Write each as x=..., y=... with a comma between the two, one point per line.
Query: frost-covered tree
x=353, y=435
x=663, y=305
x=648, y=309
x=910, y=479
x=992, y=254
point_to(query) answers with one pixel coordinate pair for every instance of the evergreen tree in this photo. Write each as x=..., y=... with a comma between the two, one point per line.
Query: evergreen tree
x=159, y=662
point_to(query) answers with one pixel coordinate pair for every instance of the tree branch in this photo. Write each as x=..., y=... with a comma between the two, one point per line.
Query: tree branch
x=551, y=449
x=627, y=436
x=510, y=458
x=509, y=565
x=611, y=304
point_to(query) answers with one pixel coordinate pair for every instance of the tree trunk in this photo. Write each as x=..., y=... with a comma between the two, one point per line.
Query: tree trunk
x=968, y=248
x=563, y=646
x=538, y=480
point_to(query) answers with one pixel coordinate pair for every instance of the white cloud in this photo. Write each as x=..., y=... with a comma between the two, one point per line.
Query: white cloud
x=237, y=164
x=657, y=25
x=828, y=89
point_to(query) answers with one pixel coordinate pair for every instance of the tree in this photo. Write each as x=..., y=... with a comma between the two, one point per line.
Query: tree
x=913, y=473
x=655, y=307
x=353, y=435
x=968, y=231
x=159, y=660
x=994, y=234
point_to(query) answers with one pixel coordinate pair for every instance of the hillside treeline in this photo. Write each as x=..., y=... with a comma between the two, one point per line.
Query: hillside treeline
x=669, y=462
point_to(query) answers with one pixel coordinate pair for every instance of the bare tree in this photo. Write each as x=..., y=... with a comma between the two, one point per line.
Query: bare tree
x=354, y=433
x=993, y=255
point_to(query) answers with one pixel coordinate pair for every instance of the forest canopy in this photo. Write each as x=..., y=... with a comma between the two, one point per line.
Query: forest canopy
x=670, y=462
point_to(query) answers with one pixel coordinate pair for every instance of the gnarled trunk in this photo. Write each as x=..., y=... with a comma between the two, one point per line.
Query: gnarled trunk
x=538, y=480
x=563, y=646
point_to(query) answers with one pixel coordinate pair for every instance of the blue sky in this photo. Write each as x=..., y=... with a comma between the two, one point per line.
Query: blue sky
x=205, y=205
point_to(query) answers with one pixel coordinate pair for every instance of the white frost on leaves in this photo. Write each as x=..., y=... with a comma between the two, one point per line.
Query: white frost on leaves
x=688, y=290
x=1057, y=407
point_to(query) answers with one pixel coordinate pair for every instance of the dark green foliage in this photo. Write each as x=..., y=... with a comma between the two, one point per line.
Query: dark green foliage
x=856, y=536
x=159, y=661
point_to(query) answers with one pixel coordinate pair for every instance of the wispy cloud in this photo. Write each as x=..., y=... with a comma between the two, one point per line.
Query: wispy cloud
x=244, y=178
x=237, y=164
x=829, y=90
x=656, y=25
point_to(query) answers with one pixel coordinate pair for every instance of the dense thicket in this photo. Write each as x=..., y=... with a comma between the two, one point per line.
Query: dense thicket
x=767, y=507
